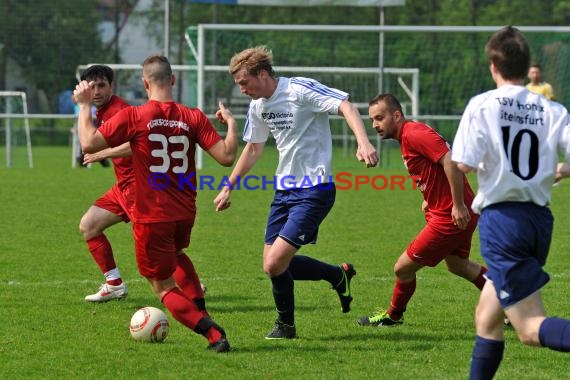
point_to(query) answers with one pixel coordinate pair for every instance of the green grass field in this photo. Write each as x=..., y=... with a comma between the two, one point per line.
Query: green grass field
x=48, y=331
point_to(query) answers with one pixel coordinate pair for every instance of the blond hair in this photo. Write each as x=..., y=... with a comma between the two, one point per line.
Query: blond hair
x=253, y=60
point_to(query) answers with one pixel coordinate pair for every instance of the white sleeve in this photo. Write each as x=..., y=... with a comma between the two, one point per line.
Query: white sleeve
x=320, y=97
x=564, y=142
x=470, y=140
x=255, y=129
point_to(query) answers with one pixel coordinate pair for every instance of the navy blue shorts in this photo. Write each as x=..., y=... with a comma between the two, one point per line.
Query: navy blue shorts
x=515, y=238
x=296, y=214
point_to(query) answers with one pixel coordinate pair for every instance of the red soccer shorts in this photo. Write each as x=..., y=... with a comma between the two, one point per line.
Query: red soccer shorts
x=156, y=245
x=118, y=202
x=431, y=246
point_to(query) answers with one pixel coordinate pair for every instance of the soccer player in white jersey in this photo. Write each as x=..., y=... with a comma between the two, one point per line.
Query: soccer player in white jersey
x=512, y=138
x=295, y=111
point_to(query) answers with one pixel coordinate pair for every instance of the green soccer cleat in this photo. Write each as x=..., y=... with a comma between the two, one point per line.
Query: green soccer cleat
x=380, y=318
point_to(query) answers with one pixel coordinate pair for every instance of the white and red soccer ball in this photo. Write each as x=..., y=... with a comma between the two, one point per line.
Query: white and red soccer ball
x=149, y=324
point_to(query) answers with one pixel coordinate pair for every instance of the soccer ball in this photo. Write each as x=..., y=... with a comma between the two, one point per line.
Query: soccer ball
x=149, y=324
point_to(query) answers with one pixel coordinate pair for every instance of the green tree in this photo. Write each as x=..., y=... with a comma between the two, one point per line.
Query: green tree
x=453, y=67
x=48, y=40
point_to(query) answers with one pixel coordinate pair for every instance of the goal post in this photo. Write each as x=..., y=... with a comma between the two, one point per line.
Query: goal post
x=11, y=114
x=302, y=50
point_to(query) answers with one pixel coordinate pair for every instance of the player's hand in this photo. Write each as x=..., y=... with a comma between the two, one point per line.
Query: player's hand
x=222, y=200
x=223, y=114
x=460, y=216
x=89, y=158
x=562, y=171
x=367, y=153
x=425, y=207
x=83, y=93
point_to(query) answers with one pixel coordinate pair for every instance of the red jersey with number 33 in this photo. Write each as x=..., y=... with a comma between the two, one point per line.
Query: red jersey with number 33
x=163, y=138
x=123, y=165
x=422, y=149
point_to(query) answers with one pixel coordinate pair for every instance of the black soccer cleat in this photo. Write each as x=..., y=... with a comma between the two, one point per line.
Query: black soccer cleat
x=282, y=331
x=343, y=288
x=222, y=345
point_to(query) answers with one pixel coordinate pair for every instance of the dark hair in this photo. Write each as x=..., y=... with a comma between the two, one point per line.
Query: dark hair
x=390, y=100
x=536, y=65
x=156, y=68
x=98, y=72
x=508, y=50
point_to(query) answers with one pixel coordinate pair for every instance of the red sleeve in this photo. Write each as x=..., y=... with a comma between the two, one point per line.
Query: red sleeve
x=207, y=135
x=426, y=142
x=117, y=130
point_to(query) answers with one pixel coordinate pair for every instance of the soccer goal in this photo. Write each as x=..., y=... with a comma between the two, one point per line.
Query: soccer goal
x=316, y=51
x=8, y=103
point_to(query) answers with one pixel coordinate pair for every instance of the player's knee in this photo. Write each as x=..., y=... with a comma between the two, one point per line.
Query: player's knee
x=528, y=332
x=404, y=273
x=272, y=268
x=486, y=326
x=528, y=337
x=85, y=228
x=89, y=229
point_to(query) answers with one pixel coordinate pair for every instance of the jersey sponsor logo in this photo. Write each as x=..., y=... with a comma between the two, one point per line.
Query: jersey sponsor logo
x=275, y=115
x=278, y=120
x=167, y=123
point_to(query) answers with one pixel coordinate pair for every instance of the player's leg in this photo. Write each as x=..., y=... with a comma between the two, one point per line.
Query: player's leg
x=305, y=268
x=490, y=342
x=276, y=259
x=533, y=328
x=467, y=269
x=429, y=248
x=155, y=245
x=458, y=263
x=185, y=274
x=92, y=225
x=405, y=270
x=307, y=208
x=187, y=279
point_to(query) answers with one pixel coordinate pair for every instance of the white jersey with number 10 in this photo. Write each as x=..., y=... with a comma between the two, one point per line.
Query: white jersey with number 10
x=513, y=137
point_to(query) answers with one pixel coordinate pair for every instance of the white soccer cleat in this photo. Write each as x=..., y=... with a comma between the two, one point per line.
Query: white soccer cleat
x=108, y=292
x=203, y=288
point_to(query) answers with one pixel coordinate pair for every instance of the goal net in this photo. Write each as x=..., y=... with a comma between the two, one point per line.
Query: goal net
x=15, y=123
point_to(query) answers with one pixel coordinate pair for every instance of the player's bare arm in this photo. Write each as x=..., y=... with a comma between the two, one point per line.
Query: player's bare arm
x=90, y=139
x=465, y=168
x=123, y=150
x=460, y=212
x=366, y=152
x=249, y=156
x=562, y=171
x=225, y=151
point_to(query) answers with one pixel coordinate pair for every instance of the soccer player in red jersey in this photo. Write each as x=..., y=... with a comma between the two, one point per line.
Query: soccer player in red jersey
x=115, y=205
x=163, y=136
x=446, y=192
